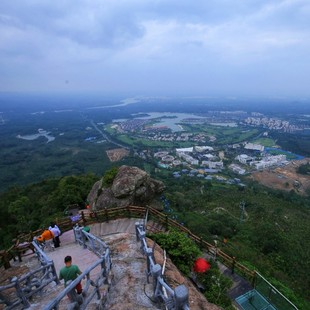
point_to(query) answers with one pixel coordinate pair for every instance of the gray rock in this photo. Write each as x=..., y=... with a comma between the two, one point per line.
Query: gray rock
x=131, y=186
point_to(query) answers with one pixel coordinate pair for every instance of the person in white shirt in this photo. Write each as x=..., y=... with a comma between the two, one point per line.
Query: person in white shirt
x=56, y=231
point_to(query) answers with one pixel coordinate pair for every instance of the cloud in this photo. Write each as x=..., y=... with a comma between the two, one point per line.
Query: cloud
x=151, y=42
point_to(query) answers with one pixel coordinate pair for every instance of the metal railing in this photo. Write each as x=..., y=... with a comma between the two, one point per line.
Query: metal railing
x=176, y=299
x=29, y=284
x=162, y=219
x=92, y=286
x=271, y=294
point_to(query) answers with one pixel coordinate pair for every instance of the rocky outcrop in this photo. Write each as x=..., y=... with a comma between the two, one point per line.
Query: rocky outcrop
x=130, y=290
x=131, y=186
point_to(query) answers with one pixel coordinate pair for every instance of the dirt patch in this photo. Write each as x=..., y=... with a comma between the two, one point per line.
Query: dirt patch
x=285, y=178
x=117, y=154
x=17, y=269
x=7, y=274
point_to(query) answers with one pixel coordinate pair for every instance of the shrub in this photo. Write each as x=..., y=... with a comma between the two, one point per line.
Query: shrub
x=180, y=248
x=109, y=177
x=215, y=286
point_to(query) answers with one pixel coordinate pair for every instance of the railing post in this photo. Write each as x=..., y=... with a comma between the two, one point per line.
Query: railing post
x=5, y=259
x=55, y=273
x=128, y=212
x=233, y=265
x=180, y=296
x=84, y=238
x=137, y=231
x=149, y=254
x=74, y=297
x=83, y=218
x=166, y=222
x=254, y=279
x=106, y=214
x=20, y=293
x=201, y=242
x=156, y=273
x=139, y=225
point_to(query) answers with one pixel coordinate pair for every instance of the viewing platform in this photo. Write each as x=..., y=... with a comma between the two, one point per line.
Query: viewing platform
x=128, y=286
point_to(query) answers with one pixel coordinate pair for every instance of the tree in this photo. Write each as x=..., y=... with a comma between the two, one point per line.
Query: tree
x=21, y=210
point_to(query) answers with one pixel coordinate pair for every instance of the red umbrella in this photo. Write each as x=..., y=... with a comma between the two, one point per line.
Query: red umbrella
x=201, y=265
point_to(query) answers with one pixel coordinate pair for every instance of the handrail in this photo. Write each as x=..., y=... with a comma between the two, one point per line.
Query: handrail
x=119, y=212
x=78, y=300
x=32, y=282
x=176, y=299
x=277, y=291
x=101, y=249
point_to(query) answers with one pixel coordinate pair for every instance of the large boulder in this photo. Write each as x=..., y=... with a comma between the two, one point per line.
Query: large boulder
x=131, y=186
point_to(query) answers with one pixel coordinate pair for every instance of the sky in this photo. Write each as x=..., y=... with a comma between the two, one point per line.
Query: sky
x=158, y=47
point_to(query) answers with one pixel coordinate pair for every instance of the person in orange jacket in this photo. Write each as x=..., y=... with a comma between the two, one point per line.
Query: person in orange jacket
x=46, y=235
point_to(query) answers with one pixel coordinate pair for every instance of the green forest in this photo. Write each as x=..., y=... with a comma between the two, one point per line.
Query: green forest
x=270, y=234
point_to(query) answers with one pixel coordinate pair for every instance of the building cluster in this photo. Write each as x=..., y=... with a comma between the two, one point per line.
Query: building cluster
x=266, y=162
x=196, y=156
x=132, y=125
x=271, y=123
x=204, y=157
x=207, y=174
x=156, y=135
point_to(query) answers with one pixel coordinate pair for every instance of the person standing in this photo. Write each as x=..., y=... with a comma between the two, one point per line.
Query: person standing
x=56, y=231
x=70, y=272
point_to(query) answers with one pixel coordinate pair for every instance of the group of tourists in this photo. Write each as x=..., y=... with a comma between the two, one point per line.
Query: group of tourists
x=69, y=272
x=52, y=233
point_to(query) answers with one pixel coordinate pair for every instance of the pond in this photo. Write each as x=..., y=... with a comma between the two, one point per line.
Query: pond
x=289, y=155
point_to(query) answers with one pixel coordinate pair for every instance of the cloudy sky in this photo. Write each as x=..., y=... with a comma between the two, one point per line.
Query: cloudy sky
x=201, y=47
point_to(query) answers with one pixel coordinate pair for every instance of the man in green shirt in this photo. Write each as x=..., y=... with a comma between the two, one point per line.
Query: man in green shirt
x=70, y=272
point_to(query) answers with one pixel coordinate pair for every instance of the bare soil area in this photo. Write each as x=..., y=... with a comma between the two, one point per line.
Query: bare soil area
x=285, y=178
x=117, y=154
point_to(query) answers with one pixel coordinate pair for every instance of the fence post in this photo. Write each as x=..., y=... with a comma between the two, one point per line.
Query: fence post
x=166, y=222
x=180, y=296
x=254, y=279
x=233, y=265
x=201, y=242
x=156, y=273
x=137, y=225
x=83, y=218
x=128, y=212
x=55, y=273
x=84, y=238
x=106, y=214
x=5, y=259
x=20, y=293
x=74, y=297
x=149, y=254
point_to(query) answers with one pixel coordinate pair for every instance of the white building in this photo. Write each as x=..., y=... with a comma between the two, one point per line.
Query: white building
x=203, y=148
x=185, y=150
x=254, y=147
x=213, y=164
x=244, y=159
x=237, y=169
